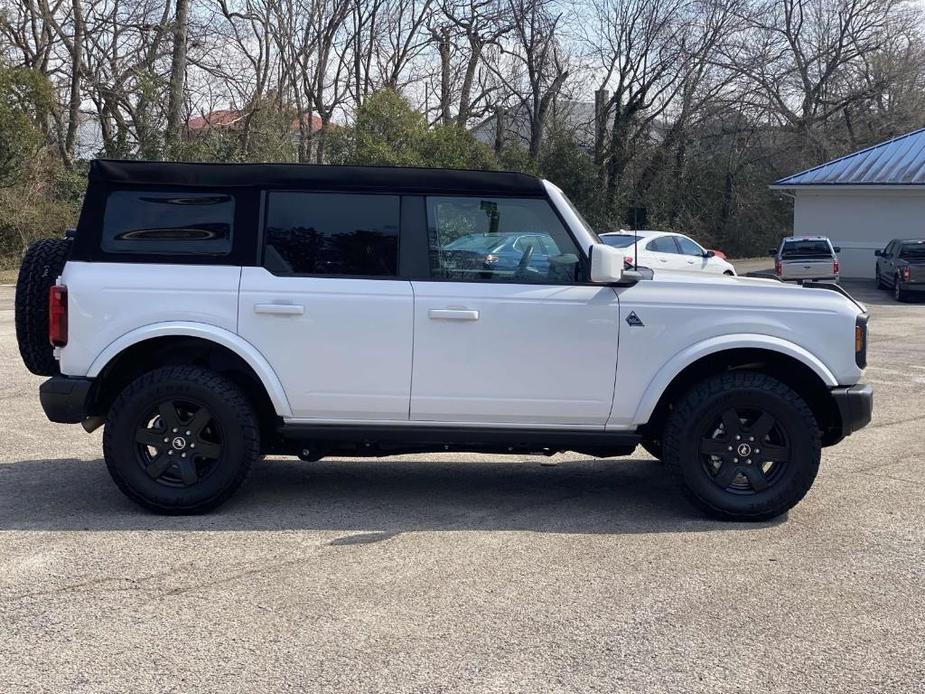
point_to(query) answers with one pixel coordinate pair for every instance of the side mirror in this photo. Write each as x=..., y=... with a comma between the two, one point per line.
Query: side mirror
x=837, y=249
x=709, y=254
x=772, y=251
x=606, y=264
x=878, y=252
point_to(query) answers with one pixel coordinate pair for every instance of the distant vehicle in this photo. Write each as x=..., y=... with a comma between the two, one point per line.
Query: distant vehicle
x=666, y=250
x=805, y=258
x=901, y=266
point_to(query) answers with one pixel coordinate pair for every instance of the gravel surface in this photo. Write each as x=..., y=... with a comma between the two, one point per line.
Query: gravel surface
x=466, y=573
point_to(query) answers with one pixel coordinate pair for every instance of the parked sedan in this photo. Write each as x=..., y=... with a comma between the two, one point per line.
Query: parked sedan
x=901, y=265
x=666, y=250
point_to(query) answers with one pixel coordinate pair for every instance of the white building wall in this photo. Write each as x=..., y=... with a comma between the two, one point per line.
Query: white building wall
x=860, y=220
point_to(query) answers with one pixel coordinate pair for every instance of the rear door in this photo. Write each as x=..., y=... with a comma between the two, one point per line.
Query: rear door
x=327, y=309
x=537, y=347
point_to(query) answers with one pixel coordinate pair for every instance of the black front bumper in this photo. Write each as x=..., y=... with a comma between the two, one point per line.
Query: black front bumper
x=65, y=399
x=855, y=405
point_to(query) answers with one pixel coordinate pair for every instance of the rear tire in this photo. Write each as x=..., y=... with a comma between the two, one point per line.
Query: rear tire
x=180, y=440
x=41, y=265
x=898, y=293
x=745, y=445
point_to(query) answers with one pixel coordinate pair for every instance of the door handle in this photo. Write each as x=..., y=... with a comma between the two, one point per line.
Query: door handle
x=280, y=309
x=452, y=314
x=663, y=260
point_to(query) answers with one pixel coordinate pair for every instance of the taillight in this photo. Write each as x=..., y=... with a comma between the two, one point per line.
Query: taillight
x=835, y=266
x=777, y=267
x=906, y=273
x=57, y=315
x=628, y=260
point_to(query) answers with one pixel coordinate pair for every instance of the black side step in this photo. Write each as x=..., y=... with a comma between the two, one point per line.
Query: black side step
x=460, y=437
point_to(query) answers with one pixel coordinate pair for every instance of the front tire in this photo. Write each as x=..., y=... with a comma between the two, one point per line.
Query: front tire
x=746, y=446
x=880, y=283
x=180, y=440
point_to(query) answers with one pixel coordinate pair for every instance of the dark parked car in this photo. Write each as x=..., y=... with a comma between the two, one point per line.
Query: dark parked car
x=901, y=266
x=514, y=254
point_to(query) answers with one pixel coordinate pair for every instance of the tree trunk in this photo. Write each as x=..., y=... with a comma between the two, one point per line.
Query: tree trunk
x=73, y=116
x=177, y=72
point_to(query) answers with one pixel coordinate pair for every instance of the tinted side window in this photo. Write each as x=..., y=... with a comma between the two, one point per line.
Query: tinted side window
x=331, y=234
x=663, y=244
x=688, y=247
x=171, y=223
x=499, y=239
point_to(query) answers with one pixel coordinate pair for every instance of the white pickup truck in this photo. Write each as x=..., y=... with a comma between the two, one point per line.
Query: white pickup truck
x=210, y=314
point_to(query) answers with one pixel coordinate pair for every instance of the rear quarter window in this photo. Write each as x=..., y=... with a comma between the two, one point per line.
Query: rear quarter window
x=169, y=223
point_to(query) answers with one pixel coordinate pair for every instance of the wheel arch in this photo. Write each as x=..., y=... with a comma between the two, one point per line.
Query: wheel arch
x=189, y=343
x=793, y=365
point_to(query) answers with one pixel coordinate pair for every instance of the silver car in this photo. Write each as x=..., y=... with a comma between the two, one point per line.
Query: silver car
x=806, y=258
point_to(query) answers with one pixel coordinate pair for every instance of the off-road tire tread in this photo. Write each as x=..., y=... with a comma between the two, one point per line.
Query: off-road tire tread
x=686, y=409
x=41, y=265
x=224, y=389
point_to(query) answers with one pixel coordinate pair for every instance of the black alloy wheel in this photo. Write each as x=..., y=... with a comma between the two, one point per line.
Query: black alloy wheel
x=745, y=445
x=744, y=451
x=180, y=439
x=178, y=443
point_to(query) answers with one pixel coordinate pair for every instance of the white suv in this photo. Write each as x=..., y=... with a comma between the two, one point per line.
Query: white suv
x=209, y=314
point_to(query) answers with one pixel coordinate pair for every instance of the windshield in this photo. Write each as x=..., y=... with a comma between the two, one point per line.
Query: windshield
x=913, y=251
x=618, y=240
x=806, y=249
x=584, y=222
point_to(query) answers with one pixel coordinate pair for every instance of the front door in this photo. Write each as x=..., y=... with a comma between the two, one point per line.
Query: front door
x=327, y=310
x=506, y=333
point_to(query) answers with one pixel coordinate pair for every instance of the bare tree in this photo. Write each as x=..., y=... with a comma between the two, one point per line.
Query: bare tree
x=533, y=66
x=177, y=71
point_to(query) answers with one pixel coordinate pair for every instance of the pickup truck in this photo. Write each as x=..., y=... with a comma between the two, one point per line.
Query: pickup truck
x=805, y=258
x=208, y=314
x=901, y=267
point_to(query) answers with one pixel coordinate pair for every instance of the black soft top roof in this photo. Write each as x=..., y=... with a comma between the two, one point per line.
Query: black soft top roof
x=367, y=178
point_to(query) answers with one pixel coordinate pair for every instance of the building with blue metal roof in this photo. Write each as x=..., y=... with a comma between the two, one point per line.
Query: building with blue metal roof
x=862, y=200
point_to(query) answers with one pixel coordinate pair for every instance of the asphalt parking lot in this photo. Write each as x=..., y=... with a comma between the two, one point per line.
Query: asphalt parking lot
x=466, y=573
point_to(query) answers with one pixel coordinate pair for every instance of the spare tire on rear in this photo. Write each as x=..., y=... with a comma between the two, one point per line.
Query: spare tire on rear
x=41, y=265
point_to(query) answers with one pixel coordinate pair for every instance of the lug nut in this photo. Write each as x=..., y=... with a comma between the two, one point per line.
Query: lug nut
x=169, y=452
x=735, y=460
x=166, y=440
x=183, y=455
x=730, y=447
x=187, y=433
x=747, y=462
x=192, y=445
x=174, y=430
x=737, y=436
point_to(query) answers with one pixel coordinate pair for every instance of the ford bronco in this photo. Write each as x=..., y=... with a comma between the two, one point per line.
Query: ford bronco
x=208, y=314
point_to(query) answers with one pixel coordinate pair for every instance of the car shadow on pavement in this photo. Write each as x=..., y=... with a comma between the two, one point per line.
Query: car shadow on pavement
x=376, y=498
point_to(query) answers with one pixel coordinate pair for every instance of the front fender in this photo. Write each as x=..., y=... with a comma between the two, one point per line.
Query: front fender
x=680, y=361
x=204, y=331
